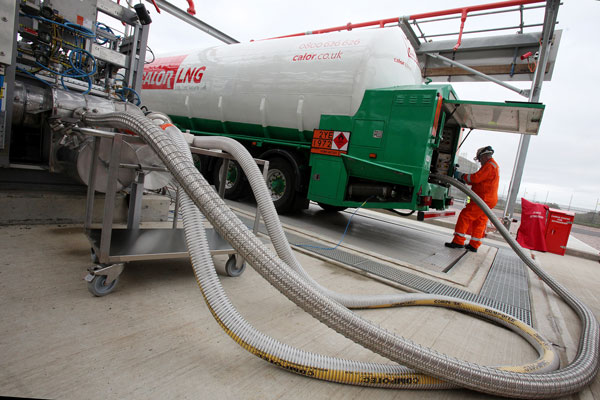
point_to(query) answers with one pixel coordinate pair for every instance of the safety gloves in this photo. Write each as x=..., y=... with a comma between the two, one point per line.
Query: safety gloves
x=458, y=175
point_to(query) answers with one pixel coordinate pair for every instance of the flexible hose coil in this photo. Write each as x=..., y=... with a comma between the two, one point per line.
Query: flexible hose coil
x=487, y=379
x=275, y=230
x=368, y=374
x=263, y=346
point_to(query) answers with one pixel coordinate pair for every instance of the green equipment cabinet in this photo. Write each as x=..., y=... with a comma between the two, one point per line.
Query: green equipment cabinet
x=393, y=144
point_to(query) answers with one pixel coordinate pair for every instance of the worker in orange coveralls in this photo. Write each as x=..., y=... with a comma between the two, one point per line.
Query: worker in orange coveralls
x=485, y=184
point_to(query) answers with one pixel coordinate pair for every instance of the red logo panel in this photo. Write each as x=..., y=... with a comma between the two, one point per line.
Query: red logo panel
x=160, y=74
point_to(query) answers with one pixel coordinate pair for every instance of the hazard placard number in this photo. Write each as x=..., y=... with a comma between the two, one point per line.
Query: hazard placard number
x=333, y=143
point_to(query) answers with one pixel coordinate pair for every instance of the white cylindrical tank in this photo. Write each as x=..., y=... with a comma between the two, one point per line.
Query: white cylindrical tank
x=286, y=83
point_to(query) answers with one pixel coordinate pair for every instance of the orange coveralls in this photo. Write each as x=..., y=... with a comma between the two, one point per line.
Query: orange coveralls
x=485, y=184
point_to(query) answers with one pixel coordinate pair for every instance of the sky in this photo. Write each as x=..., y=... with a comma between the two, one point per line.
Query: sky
x=562, y=162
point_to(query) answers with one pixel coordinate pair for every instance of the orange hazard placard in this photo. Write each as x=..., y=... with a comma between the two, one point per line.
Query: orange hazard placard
x=333, y=143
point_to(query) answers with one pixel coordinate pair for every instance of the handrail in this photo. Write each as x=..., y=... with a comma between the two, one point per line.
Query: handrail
x=463, y=11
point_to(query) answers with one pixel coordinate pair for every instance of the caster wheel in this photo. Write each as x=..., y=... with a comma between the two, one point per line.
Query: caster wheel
x=98, y=286
x=231, y=267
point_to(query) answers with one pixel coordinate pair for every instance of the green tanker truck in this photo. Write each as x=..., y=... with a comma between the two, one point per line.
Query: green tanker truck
x=343, y=118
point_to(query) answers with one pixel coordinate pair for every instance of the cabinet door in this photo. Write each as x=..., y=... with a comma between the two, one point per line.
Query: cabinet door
x=557, y=234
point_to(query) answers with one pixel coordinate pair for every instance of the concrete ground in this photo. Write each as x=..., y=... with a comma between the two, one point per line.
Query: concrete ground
x=583, y=241
x=154, y=338
x=588, y=235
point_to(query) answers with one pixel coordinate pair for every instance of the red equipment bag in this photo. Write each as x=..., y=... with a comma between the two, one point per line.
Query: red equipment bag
x=532, y=231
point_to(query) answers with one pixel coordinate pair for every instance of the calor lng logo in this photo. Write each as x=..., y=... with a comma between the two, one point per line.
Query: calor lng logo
x=164, y=73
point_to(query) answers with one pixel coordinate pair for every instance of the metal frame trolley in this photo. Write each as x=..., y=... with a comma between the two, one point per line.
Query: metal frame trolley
x=113, y=247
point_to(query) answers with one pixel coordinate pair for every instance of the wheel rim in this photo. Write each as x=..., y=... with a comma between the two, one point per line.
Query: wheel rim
x=232, y=269
x=197, y=161
x=276, y=183
x=232, y=175
x=101, y=287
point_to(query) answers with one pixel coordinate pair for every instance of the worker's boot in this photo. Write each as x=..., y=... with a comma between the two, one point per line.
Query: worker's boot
x=471, y=248
x=453, y=245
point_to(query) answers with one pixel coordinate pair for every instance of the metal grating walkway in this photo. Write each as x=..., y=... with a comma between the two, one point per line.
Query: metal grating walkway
x=507, y=281
x=506, y=287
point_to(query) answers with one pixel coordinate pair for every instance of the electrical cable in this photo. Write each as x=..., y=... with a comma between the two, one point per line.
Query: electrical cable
x=78, y=54
x=75, y=58
x=83, y=31
x=408, y=214
x=88, y=79
x=121, y=93
x=80, y=72
x=532, y=66
x=117, y=79
x=102, y=27
x=78, y=29
x=33, y=76
x=463, y=141
x=153, y=56
x=56, y=72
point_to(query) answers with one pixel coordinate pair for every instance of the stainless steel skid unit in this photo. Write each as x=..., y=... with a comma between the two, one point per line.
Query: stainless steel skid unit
x=113, y=247
x=55, y=52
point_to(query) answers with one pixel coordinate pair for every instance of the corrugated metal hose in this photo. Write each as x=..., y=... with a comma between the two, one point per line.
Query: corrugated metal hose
x=435, y=370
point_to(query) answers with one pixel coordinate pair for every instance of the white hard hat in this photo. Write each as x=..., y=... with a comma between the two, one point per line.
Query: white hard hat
x=482, y=151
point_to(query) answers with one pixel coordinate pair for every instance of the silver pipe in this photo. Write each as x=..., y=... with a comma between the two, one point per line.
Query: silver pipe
x=522, y=92
x=95, y=132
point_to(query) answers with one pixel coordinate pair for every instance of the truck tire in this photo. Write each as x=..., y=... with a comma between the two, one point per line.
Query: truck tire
x=237, y=184
x=281, y=181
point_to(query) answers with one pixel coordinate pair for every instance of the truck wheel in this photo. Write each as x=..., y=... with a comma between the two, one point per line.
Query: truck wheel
x=236, y=185
x=330, y=208
x=281, y=181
